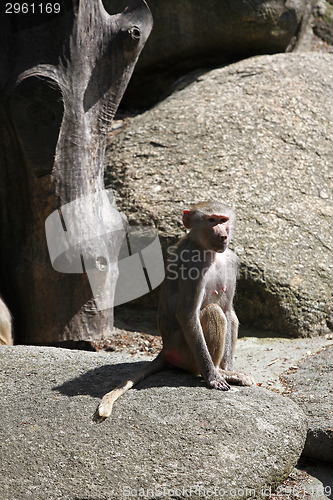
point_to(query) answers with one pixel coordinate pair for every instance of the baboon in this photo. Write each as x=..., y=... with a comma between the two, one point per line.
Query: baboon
x=196, y=317
x=6, y=335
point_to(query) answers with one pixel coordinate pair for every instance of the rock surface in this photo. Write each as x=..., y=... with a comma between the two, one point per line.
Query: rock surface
x=189, y=34
x=258, y=135
x=311, y=387
x=171, y=432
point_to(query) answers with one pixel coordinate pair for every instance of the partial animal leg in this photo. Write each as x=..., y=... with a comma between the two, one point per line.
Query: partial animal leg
x=214, y=327
x=226, y=365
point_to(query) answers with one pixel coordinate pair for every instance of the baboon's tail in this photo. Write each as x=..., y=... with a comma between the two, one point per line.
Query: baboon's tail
x=105, y=406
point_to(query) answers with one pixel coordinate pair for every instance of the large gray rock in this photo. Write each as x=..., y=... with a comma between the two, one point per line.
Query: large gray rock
x=258, y=135
x=190, y=33
x=311, y=387
x=168, y=434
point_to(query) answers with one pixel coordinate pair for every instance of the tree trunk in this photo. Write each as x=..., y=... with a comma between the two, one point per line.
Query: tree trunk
x=62, y=76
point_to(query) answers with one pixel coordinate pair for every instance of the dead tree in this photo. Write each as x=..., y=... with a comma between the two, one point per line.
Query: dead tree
x=62, y=75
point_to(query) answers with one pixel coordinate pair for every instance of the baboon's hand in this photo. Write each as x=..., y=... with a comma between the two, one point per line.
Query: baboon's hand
x=218, y=382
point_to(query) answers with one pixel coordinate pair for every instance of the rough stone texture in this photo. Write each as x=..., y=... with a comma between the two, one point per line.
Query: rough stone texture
x=323, y=21
x=311, y=387
x=170, y=432
x=269, y=358
x=258, y=135
x=189, y=33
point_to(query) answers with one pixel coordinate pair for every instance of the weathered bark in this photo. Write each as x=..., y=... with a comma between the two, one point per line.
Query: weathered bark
x=61, y=80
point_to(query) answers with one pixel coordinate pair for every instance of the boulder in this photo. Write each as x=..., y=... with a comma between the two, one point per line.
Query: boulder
x=189, y=34
x=256, y=135
x=310, y=385
x=169, y=436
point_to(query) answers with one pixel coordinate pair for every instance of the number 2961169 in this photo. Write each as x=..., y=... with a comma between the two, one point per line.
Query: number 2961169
x=32, y=8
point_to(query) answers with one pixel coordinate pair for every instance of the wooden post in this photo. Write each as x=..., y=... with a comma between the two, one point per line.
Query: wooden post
x=62, y=76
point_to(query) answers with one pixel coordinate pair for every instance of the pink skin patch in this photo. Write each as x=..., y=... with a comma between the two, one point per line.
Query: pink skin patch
x=173, y=357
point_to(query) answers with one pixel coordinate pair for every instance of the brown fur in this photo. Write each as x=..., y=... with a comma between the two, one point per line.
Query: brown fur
x=196, y=318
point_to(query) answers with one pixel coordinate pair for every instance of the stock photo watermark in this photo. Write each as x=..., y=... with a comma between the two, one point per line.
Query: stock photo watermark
x=191, y=265
x=187, y=264
x=203, y=491
x=90, y=235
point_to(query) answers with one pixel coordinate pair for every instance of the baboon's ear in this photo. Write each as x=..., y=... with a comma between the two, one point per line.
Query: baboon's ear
x=188, y=218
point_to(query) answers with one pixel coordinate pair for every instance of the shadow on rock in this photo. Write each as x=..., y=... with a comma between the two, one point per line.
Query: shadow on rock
x=100, y=380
